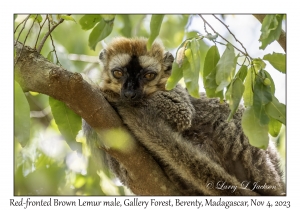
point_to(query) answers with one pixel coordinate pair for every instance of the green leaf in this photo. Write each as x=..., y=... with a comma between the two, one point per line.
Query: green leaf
x=51, y=19
x=262, y=92
x=127, y=27
x=68, y=18
x=108, y=18
x=270, y=30
x=262, y=95
x=178, y=67
x=155, y=25
x=211, y=59
x=178, y=32
x=225, y=68
x=258, y=64
x=242, y=73
x=39, y=18
x=100, y=32
x=176, y=75
x=68, y=122
x=50, y=56
x=260, y=112
x=43, y=180
x=248, y=93
x=274, y=127
x=21, y=116
x=209, y=73
x=276, y=110
x=256, y=133
x=234, y=95
x=269, y=23
x=277, y=60
x=191, y=75
x=89, y=21
x=211, y=37
x=272, y=85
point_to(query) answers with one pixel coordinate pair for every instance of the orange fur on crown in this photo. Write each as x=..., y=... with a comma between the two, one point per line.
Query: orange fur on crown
x=134, y=46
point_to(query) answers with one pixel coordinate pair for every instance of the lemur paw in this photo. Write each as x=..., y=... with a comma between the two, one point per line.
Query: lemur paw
x=174, y=108
x=183, y=118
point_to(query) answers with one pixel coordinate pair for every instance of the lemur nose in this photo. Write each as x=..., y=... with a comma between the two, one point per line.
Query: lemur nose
x=130, y=94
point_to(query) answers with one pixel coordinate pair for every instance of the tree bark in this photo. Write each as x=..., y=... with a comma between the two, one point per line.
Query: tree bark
x=282, y=38
x=35, y=73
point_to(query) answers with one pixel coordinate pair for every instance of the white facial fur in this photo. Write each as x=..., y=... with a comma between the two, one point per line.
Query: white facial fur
x=119, y=60
x=149, y=63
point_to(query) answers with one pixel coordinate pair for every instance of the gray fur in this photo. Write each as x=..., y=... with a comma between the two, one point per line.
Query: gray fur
x=195, y=145
x=191, y=139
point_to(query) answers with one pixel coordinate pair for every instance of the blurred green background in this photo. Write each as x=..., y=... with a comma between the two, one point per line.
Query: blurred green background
x=47, y=165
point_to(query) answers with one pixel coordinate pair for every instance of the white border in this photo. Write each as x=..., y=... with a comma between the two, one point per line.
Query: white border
x=8, y=8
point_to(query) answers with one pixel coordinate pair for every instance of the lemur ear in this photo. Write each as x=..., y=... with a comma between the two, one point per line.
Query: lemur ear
x=102, y=55
x=168, y=61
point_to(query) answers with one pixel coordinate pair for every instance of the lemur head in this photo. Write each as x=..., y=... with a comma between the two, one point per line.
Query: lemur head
x=131, y=72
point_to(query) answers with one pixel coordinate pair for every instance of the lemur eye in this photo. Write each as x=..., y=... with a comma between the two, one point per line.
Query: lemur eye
x=150, y=76
x=117, y=74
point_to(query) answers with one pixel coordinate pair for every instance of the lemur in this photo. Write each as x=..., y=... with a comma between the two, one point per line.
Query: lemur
x=191, y=139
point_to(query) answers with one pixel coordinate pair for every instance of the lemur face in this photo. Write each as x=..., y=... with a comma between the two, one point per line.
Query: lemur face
x=131, y=72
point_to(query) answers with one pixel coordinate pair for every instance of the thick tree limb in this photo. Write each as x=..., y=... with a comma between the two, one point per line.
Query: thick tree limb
x=35, y=73
x=282, y=38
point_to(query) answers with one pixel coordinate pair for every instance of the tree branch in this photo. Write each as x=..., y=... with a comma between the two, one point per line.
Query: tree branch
x=244, y=53
x=48, y=34
x=282, y=38
x=232, y=34
x=35, y=73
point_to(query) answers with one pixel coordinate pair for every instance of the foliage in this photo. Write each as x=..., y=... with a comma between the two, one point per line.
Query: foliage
x=99, y=32
x=155, y=25
x=21, y=116
x=69, y=123
x=277, y=60
x=270, y=29
x=209, y=58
